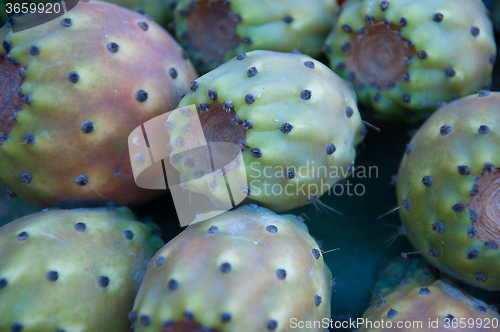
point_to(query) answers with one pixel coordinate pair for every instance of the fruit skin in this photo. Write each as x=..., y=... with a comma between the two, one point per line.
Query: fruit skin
x=278, y=88
x=278, y=25
x=186, y=274
x=105, y=94
x=448, y=43
x=413, y=298
x=453, y=221
x=81, y=246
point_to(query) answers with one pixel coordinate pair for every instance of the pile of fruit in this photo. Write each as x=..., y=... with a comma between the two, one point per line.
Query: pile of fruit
x=278, y=127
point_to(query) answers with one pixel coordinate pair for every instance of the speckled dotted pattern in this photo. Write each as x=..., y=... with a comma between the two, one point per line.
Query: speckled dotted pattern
x=216, y=272
x=448, y=185
x=77, y=87
x=72, y=270
x=405, y=57
x=288, y=112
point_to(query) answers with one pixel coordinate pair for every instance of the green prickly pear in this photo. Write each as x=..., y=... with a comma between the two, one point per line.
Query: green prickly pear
x=296, y=122
x=410, y=298
x=448, y=190
x=214, y=31
x=71, y=92
x=246, y=270
x=404, y=57
x=72, y=270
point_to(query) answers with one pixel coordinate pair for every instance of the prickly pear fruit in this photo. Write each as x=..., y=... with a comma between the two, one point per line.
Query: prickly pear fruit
x=71, y=92
x=416, y=301
x=256, y=269
x=295, y=120
x=404, y=57
x=448, y=189
x=214, y=31
x=72, y=270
